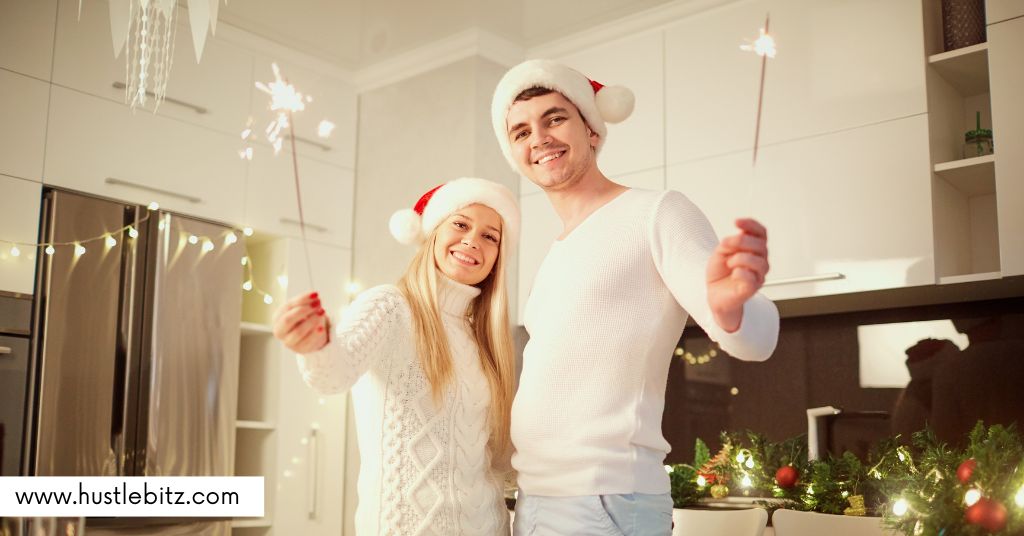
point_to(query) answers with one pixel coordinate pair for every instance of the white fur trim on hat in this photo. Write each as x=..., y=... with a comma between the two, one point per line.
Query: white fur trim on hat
x=407, y=226
x=611, y=104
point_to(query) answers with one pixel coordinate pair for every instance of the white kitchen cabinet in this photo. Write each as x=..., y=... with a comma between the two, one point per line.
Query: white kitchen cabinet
x=333, y=100
x=635, y=62
x=287, y=433
x=854, y=203
x=23, y=116
x=1003, y=10
x=327, y=197
x=26, y=36
x=19, y=222
x=1006, y=72
x=98, y=146
x=214, y=93
x=839, y=65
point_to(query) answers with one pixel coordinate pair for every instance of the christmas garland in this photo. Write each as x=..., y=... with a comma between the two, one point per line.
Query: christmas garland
x=927, y=488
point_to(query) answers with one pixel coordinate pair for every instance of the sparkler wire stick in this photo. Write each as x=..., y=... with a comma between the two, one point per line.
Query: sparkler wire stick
x=760, y=93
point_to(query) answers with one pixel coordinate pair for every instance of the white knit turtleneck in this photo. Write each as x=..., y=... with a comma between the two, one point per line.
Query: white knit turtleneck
x=425, y=468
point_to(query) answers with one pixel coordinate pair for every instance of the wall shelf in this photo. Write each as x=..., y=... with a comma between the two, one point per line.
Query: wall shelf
x=972, y=176
x=254, y=425
x=967, y=278
x=966, y=69
x=253, y=328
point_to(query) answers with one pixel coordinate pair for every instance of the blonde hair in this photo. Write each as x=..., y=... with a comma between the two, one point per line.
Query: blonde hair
x=488, y=317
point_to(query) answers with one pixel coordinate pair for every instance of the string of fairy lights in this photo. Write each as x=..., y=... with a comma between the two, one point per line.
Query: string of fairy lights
x=109, y=240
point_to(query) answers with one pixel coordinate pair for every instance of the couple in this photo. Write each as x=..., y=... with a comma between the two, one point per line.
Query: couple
x=433, y=355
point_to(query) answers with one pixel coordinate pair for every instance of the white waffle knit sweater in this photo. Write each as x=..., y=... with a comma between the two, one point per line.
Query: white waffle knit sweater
x=425, y=468
x=606, y=310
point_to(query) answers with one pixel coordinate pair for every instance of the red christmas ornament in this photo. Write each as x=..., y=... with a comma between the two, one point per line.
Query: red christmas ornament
x=987, y=513
x=966, y=470
x=787, y=476
x=994, y=519
x=974, y=513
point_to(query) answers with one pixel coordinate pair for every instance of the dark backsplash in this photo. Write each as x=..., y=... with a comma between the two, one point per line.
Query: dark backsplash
x=817, y=363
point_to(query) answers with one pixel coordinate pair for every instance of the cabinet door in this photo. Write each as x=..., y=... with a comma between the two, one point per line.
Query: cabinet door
x=856, y=203
x=23, y=116
x=19, y=221
x=327, y=192
x=1002, y=10
x=184, y=168
x=333, y=100
x=839, y=65
x=311, y=428
x=26, y=36
x=1006, y=48
x=213, y=93
x=636, y=63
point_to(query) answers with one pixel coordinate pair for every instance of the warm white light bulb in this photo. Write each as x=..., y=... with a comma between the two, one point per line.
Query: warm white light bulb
x=283, y=281
x=325, y=128
x=701, y=481
x=49, y=250
x=245, y=260
x=740, y=458
x=193, y=239
x=900, y=507
x=154, y=205
x=247, y=231
x=746, y=481
x=231, y=238
x=668, y=469
x=972, y=496
x=111, y=241
x=247, y=285
x=132, y=233
x=15, y=252
x=750, y=462
x=207, y=245
x=79, y=250
x=1019, y=498
x=267, y=299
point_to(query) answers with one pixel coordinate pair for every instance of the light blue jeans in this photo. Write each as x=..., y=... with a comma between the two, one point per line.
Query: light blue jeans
x=632, y=514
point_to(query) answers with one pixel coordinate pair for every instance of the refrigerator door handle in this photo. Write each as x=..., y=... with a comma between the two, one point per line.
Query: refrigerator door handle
x=5, y=350
x=314, y=470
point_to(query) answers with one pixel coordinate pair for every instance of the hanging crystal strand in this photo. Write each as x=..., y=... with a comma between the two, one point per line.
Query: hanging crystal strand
x=165, y=51
x=129, y=54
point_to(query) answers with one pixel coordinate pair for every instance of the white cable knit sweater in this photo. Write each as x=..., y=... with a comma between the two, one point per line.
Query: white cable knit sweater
x=606, y=310
x=424, y=469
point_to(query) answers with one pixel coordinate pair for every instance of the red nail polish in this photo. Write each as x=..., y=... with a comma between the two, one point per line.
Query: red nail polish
x=320, y=312
x=315, y=304
x=320, y=328
x=313, y=296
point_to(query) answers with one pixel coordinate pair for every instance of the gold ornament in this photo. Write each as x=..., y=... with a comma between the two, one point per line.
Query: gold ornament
x=719, y=491
x=856, y=506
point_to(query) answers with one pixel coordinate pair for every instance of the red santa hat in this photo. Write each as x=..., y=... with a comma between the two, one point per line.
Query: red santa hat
x=597, y=103
x=409, y=226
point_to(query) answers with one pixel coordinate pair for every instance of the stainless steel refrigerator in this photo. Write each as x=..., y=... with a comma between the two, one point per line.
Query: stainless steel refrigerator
x=135, y=350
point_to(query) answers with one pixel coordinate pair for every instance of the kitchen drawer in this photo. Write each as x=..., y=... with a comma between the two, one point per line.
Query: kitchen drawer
x=187, y=169
x=220, y=84
x=327, y=193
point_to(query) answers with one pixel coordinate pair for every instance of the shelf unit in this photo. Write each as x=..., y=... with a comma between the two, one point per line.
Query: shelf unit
x=256, y=430
x=965, y=220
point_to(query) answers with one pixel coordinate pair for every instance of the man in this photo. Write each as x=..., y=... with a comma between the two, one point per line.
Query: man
x=607, y=307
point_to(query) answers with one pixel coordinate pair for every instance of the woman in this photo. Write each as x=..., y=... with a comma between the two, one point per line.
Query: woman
x=430, y=364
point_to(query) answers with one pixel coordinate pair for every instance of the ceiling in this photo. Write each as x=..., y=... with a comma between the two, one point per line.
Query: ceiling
x=357, y=33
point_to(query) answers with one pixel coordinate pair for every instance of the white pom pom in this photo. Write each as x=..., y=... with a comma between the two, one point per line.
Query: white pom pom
x=615, y=103
x=405, y=226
